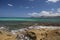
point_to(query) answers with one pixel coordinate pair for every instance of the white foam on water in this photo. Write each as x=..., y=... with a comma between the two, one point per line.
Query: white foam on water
x=49, y=27
x=22, y=37
x=13, y=31
x=34, y=27
x=2, y=27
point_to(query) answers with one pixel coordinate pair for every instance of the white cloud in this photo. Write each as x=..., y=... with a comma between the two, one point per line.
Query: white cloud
x=58, y=10
x=32, y=7
x=31, y=0
x=49, y=13
x=54, y=1
x=27, y=7
x=52, y=9
x=10, y=5
x=44, y=13
x=33, y=14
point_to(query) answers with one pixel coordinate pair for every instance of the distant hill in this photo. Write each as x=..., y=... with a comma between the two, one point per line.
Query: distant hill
x=47, y=17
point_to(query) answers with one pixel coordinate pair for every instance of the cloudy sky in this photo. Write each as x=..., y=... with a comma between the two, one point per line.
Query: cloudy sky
x=27, y=8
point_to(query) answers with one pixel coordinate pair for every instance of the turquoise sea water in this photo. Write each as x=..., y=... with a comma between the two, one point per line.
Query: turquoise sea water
x=16, y=22
x=30, y=19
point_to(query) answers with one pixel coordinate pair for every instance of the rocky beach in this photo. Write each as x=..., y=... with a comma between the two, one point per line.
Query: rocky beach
x=29, y=29
x=31, y=33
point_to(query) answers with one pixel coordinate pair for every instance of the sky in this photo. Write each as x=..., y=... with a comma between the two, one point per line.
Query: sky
x=29, y=8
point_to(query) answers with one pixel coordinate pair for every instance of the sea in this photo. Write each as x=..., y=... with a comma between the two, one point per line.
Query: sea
x=56, y=20
x=21, y=22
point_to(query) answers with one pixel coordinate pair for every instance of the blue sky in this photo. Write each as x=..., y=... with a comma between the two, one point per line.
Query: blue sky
x=27, y=8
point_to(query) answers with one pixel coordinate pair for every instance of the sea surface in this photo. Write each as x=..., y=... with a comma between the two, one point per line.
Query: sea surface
x=19, y=22
x=30, y=19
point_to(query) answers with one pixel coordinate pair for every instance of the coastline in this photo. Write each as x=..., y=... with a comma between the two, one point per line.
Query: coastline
x=30, y=23
x=26, y=30
x=31, y=33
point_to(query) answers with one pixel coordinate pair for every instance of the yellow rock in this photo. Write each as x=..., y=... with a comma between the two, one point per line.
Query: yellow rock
x=6, y=35
x=44, y=34
x=34, y=34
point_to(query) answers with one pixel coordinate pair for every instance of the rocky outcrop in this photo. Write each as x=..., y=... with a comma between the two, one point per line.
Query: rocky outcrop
x=6, y=35
x=44, y=34
x=31, y=33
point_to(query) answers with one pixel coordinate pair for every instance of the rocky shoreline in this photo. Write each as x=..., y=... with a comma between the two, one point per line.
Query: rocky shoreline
x=31, y=33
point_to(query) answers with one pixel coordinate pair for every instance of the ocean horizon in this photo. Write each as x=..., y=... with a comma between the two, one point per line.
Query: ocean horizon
x=30, y=19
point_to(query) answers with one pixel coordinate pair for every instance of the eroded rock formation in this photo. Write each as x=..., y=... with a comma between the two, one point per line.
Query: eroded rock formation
x=32, y=34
